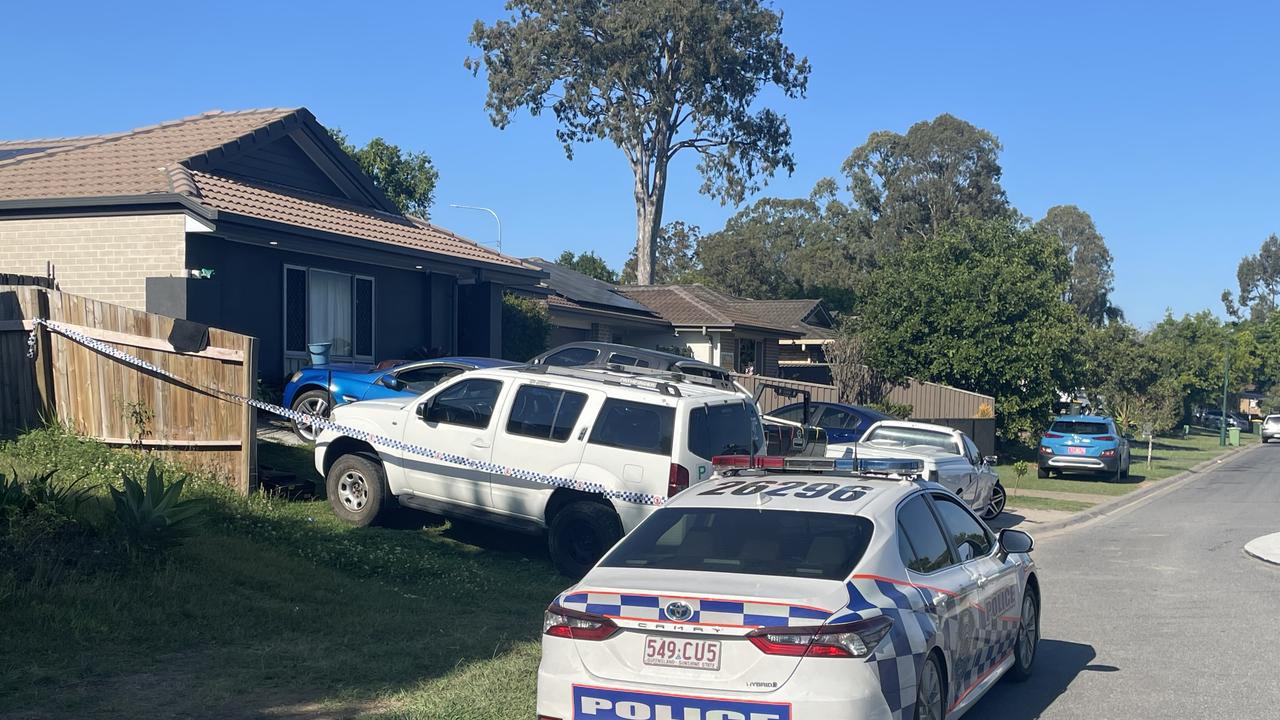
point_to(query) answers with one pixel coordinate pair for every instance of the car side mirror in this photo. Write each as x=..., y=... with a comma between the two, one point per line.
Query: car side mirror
x=1015, y=541
x=424, y=410
x=991, y=460
x=391, y=382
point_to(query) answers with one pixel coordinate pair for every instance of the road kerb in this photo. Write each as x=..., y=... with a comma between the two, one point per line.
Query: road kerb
x=1265, y=548
x=1122, y=503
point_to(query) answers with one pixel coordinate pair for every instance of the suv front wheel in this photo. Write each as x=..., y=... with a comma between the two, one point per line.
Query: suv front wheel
x=357, y=489
x=579, y=535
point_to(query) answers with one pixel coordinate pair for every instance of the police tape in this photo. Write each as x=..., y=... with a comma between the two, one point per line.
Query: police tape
x=321, y=423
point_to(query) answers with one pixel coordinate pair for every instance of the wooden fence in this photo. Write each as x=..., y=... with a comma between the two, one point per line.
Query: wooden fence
x=101, y=397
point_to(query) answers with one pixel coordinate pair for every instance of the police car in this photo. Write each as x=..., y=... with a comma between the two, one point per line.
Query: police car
x=807, y=589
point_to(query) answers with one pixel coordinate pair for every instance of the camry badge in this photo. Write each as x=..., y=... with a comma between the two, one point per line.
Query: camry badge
x=679, y=611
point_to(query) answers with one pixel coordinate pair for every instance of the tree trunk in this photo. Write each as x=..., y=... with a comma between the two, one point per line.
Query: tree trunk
x=648, y=221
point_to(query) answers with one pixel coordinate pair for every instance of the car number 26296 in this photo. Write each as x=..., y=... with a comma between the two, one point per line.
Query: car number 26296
x=674, y=652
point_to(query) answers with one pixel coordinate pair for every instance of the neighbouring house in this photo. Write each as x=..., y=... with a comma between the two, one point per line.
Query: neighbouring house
x=584, y=308
x=732, y=332
x=257, y=222
x=803, y=358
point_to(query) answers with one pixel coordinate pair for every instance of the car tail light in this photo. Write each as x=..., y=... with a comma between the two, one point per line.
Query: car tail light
x=677, y=480
x=846, y=640
x=566, y=623
x=1046, y=450
x=1052, y=436
x=547, y=717
x=1108, y=453
x=1105, y=438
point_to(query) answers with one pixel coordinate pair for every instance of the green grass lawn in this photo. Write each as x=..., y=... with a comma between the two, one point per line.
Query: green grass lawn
x=1170, y=456
x=1031, y=502
x=274, y=608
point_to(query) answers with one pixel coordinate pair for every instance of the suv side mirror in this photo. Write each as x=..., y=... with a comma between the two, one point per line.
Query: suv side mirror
x=1015, y=541
x=424, y=410
x=391, y=382
x=991, y=460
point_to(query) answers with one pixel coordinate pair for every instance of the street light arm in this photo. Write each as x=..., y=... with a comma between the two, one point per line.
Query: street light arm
x=488, y=210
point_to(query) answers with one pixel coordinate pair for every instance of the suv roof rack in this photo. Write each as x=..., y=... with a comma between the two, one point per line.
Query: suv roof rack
x=584, y=372
x=669, y=375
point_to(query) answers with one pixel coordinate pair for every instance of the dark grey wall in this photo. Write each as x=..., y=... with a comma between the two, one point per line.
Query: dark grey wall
x=251, y=301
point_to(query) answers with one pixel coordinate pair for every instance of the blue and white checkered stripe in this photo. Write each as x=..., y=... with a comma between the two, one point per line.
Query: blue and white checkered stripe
x=326, y=424
x=706, y=611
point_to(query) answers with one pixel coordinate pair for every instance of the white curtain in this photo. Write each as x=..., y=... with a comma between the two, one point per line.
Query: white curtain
x=329, y=305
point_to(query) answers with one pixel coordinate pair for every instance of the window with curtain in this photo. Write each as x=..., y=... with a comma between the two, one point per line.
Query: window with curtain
x=324, y=306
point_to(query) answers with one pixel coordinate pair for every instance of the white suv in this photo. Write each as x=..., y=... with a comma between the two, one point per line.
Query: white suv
x=584, y=453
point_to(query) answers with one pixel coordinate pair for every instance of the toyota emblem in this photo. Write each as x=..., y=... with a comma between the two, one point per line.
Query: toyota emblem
x=679, y=611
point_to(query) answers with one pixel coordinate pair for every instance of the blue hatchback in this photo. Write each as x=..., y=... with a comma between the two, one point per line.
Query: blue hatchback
x=1083, y=443
x=317, y=389
x=843, y=423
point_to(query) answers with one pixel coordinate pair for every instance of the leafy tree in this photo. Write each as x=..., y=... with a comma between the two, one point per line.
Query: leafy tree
x=526, y=327
x=655, y=77
x=979, y=306
x=588, y=263
x=914, y=184
x=1259, y=280
x=676, y=260
x=779, y=248
x=1092, y=279
x=408, y=179
x=1191, y=352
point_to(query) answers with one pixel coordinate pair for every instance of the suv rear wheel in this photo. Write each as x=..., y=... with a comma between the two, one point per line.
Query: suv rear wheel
x=579, y=534
x=357, y=489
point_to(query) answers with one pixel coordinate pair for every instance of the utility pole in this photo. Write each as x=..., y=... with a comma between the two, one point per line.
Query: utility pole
x=1226, y=376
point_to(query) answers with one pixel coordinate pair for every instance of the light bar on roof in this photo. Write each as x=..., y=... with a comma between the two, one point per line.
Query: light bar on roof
x=869, y=466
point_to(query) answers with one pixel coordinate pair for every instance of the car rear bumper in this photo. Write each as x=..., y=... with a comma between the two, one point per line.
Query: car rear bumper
x=1079, y=462
x=567, y=691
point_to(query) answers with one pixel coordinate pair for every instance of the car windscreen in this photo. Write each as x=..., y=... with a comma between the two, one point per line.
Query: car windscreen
x=903, y=437
x=1079, y=427
x=749, y=541
x=727, y=429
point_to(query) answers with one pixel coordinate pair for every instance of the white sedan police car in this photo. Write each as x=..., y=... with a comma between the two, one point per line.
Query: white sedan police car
x=776, y=594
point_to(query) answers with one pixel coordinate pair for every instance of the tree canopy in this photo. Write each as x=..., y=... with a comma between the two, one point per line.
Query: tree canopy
x=656, y=78
x=1092, y=280
x=977, y=305
x=408, y=179
x=588, y=263
x=1259, y=280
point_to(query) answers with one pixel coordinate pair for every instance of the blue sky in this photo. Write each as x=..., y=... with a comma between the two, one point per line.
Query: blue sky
x=1159, y=121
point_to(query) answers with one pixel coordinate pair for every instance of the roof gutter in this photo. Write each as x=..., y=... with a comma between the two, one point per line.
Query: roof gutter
x=101, y=204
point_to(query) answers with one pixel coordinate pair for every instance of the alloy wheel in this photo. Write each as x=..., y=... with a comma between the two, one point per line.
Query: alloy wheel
x=311, y=406
x=930, y=700
x=1028, y=632
x=996, y=506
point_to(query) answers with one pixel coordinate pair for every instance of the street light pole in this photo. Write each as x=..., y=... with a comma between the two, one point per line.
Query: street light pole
x=488, y=210
x=1226, y=375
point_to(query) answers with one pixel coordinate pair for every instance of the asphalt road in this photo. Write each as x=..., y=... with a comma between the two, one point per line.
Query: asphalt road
x=1157, y=612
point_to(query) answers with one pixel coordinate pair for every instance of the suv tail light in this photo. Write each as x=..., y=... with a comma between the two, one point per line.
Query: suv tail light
x=563, y=622
x=1052, y=435
x=846, y=640
x=1105, y=438
x=677, y=480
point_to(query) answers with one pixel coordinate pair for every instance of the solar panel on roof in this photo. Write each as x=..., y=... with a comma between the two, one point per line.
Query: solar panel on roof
x=9, y=153
x=581, y=288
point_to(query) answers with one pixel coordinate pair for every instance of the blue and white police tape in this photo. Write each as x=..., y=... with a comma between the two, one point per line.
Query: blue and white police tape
x=321, y=423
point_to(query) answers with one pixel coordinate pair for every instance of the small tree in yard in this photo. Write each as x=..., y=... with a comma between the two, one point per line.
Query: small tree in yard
x=526, y=327
x=1154, y=411
x=849, y=373
x=655, y=77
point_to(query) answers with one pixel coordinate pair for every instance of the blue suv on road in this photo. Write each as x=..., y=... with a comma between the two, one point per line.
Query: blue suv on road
x=1083, y=443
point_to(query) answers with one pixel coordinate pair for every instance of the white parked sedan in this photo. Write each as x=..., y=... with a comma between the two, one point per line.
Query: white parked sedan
x=950, y=458
x=777, y=595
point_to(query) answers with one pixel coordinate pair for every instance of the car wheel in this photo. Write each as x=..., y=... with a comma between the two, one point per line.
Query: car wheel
x=930, y=704
x=580, y=534
x=357, y=489
x=311, y=402
x=1042, y=473
x=996, y=505
x=1024, y=647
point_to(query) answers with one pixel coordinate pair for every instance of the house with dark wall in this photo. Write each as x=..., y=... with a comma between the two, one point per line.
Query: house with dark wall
x=254, y=221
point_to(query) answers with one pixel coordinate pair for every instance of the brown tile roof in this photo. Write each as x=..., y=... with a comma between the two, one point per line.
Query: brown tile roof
x=317, y=212
x=788, y=314
x=127, y=163
x=699, y=306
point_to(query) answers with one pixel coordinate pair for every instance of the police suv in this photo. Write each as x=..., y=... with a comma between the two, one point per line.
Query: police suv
x=584, y=454
x=806, y=589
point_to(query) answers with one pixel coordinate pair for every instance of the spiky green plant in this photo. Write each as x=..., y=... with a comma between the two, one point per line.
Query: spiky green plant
x=66, y=499
x=154, y=517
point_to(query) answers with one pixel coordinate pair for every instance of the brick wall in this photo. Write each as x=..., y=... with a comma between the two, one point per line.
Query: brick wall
x=104, y=258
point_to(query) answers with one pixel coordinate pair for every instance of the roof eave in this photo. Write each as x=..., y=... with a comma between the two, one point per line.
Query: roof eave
x=97, y=204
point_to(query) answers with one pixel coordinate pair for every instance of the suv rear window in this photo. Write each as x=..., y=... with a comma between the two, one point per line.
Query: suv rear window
x=634, y=426
x=544, y=412
x=1079, y=427
x=823, y=546
x=729, y=429
x=572, y=357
